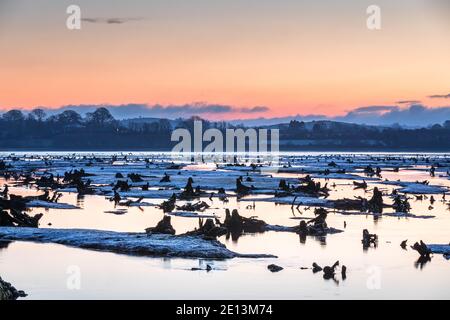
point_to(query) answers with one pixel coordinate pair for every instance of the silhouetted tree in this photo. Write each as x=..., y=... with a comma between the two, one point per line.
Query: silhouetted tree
x=436, y=127
x=164, y=125
x=37, y=114
x=447, y=124
x=69, y=117
x=13, y=116
x=99, y=117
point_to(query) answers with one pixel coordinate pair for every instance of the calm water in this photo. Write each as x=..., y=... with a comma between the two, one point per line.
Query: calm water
x=43, y=270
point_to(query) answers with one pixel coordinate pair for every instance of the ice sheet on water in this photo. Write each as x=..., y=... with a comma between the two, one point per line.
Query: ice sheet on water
x=416, y=188
x=189, y=214
x=343, y=176
x=127, y=243
x=52, y=205
x=388, y=214
x=408, y=215
x=308, y=201
x=440, y=249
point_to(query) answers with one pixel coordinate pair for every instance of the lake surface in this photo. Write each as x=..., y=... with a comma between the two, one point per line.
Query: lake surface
x=46, y=271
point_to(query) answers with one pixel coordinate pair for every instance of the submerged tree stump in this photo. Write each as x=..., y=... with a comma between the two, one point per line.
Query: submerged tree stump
x=237, y=223
x=169, y=205
x=164, y=226
x=208, y=230
x=369, y=239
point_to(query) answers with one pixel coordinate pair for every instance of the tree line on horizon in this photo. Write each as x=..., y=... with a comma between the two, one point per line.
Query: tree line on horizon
x=70, y=130
x=99, y=130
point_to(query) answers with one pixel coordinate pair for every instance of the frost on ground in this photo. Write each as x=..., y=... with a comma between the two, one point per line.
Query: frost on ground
x=127, y=243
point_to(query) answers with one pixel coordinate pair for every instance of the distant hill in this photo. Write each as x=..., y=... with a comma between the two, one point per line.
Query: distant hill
x=142, y=121
x=98, y=130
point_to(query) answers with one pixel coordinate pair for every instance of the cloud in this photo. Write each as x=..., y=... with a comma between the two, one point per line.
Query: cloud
x=110, y=20
x=415, y=115
x=196, y=108
x=372, y=109
x=408, y=102
x=261, y=121
x=201, y=108
x=440, y=96
x=256, y=109
x=366, y=114
x=133, y=110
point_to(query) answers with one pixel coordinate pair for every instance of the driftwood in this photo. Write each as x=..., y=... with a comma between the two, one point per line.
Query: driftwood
x=403, y=244
x=320, y=220
x=198, y=206
x=316, y=226
x=84, y=187
x=242, y=189
x=169, y=205
x=189, y=192
x=166, y=178
x=207, y=269
x=328, y=272
x=312, y=188
x=122, y=186
x=135, y=177
x=16, y=218
x=16, y=206
x=208, y=230
x=401, y=205
x=42, y=197
x=369, y=171
x=360, y=185
x=274, y=268
x=14, y=202
x=316, y=268
x=48, y=182
x=422, y=249
x=358, y=204
x=75, y=175
x=344, y=272
x=235, y=223
x=284, y=186
x=375, y=204
x=129, y=202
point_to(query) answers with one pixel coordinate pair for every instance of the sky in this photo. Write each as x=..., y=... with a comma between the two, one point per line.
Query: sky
x=255, y=58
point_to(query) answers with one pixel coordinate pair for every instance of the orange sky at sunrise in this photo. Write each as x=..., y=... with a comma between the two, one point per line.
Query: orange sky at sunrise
x=292, y=56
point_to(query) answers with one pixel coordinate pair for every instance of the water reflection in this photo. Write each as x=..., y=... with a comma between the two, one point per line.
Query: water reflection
x=4, y=244
x=421, y=262
x=244, y=278
x=80, y=200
